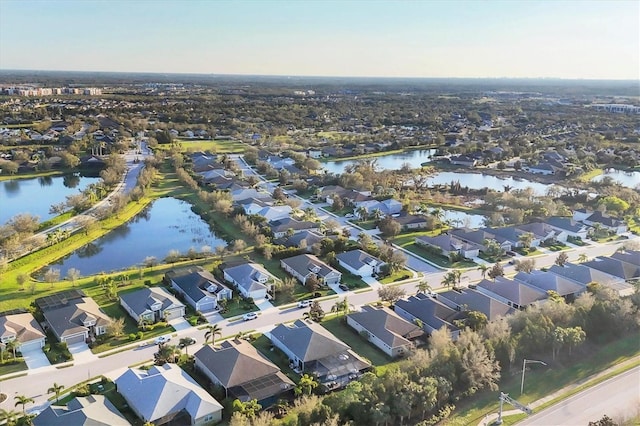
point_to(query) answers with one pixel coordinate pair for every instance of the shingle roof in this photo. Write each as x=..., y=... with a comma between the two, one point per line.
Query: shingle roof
x=93, y=410
x=629, y=256
x=514, y=291
x=476, y=301
x=566, y=223
x=287, y=223
x=358, y=258
x=615, y=267
x=430, y=311
x=196, y=282
x=549, y=281
x=67, y=320
x=163, y=390
x=140, y=301
x=23, y=327
x=305, y=264
x=308, y=341
x=386, y=325
x=246, y=276
x=237, y=363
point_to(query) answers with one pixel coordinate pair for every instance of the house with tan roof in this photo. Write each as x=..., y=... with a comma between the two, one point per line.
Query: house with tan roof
x=243, y=372
x=22, y=328
x=76, y=320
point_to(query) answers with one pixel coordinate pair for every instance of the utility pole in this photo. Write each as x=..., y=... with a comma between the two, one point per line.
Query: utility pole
x=504, y=397
x=524, y=367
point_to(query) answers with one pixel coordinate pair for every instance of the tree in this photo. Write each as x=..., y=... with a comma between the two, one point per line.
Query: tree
x=306, y=385
x=342, y=306
x=583, y=258
x=116, y=327
x=72, y=275
x=316, y=313
x=23, y=400
x=213, y=330
x=526, y=265
x=452, y=278
x=167, y=353
x=8, y=415
x=312, y=283
x=526, y=239
x=604, y=421
x=423, y=287
x=496, y=271
x=52, y=275
x=562, y=259
x=389, y=227
x=22, y=279
x=184, y=342
x=476, y=320
x=248, y=409
x=396, y=262
x=483, y=268
x=238, y=245
x=391, y=294
x=479, y=369
x=56, y=389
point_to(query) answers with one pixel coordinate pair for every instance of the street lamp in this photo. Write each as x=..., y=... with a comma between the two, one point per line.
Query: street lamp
x=524, y=367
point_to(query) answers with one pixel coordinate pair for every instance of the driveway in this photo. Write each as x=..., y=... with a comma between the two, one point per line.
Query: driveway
x=263, y=304
x=179, y=324
x=35, y=358
x=81, y=353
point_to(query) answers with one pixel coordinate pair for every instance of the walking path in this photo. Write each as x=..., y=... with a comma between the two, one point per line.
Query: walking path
x=563, y=392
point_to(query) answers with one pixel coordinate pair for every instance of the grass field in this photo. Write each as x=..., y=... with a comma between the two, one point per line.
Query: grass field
x=214, y=146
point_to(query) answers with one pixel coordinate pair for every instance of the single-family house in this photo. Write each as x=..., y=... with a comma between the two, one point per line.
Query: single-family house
x=251, y=279
x=328, y=193
x=314, y=153
x=478, y=237
x=270, y=213
x=472, y=300
x=23, y=329
x=167, y=395
x=568, y=225
x=430, y=313
x=585, y=275
x=542, y=232
x=281, y=227
x=243, y=372
x=92, y=410
x=73, y=320
x=313, y=350
x=411, y=221
x=615, y=267
x=516, y=294
x=303, y=239
x=449, y=244
x=152, y=304
x=628, y=256
x=360, y=263
x=607, y=222
x=548, y=281
x=384, y=328
x=463, y=160
x=198, y=287
x=305, y=265
x=368, y=208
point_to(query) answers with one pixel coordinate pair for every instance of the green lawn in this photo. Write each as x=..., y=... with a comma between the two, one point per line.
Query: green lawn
x=338, y=327
x=235, y=309
x=275, y=355
x=400, y=275
x=439, y=260
x=13, y=366
x=215, y=146
x=408, y=238
x=366, y=224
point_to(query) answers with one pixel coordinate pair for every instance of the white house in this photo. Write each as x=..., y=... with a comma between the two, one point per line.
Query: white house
x=251, y=279
x=23, y=329
x=152, y=304
x=199, y=288
x=305, y=265
x=360, y=263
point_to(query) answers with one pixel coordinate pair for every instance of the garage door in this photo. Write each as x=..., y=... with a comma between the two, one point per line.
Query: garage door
x=34, y=345
x=74, y=339
x=206, y=306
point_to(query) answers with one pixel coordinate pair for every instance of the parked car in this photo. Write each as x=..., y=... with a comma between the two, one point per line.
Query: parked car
x=249, y=316
x=162, y=339
x=304, y=303
x=190, y=342
x=343, y=287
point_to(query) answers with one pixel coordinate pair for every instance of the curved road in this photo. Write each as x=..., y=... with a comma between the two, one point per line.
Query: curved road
x=618, y=397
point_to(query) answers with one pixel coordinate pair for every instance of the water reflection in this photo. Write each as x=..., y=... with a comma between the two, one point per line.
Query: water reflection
x=45, y=181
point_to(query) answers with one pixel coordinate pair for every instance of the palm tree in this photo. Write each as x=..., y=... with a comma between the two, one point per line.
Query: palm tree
x=306, y=384
x=342, y=306
x=12, y=346
x=423, y=287
x=213, y=330
x=167, y=353
x=184, y=342
x=583, y=257
x=9, y=416
x=56, y=388
x=483, y=268
x=22, y=400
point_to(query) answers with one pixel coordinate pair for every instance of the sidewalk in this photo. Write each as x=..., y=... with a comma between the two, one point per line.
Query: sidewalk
x=489, y=419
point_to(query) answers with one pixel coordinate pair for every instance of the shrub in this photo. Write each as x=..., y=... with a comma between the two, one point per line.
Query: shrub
x=83, y=390
x=139, y=335
x=132, y=336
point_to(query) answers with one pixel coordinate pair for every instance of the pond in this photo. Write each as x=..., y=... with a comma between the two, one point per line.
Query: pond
x=460, y=219
x=37, y=195
x=167, y=224
x=628, y=179
x=479, y=181
x=414, y=158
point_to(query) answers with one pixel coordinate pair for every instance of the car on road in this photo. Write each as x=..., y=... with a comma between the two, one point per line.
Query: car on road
x=189, y=342
x=249, y=316
x=343, y=287
x=160, y=340
x=304, y=303
x=349, y=215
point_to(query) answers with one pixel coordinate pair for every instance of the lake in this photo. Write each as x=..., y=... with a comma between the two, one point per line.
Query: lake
x=37, y=195
x=628, y=179
x=460, y=219
x=414, y=157
x=479, y=181
x=167, y=224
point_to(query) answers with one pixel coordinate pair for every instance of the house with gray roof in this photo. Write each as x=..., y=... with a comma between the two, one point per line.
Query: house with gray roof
x=585, y=275
x=516, y=294
x=605, y=221
x=199, y=287
x=449, y=244
x=472, y=300
x=306, y=238
x=411, y=221
x=92, y=410
x=313, y=350
x=152, y=304
x=305, y=265
x=478, y=237
x=280, y=227
x=629, y=256
x=243, y=372
x=251, y=279
x=76, y=321
x=384, y=328
x=548, y=281
x=360, y=263
x=22, y=328
x=166, y=394
x=615, y=267
x=430, y=313
x=542, y=232
x=572, y=228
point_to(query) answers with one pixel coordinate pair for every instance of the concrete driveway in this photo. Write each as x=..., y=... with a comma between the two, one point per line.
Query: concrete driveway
x=81, y=353
x=179, y=324
x=35, y=358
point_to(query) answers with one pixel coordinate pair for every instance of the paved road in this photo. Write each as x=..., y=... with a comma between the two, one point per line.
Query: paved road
x=618, y=397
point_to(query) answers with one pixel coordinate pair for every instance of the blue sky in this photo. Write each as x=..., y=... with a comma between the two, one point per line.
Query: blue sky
x=573, y=39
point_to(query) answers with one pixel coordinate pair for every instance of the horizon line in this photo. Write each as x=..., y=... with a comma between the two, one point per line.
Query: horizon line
x=212, y=74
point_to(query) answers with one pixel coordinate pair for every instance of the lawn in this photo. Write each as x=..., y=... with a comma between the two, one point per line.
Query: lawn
x=400, y=275
x=338, y=327
x=275, y=355
x=238, y=308
x=215, y=146
x=545, y=381
x=351, y=280
x=13, y=366
x=366, y=224
x=439, y=260
x=408, y=238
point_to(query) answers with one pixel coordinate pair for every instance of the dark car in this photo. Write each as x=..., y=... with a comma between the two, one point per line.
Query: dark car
x=343, y=287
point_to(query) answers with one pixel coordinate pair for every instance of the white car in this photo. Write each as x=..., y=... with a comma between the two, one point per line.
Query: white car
x=162, y=339
x=304, y=303
x=249, y=316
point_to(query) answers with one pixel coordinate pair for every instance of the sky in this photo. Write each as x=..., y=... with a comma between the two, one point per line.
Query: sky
x=420, y=38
